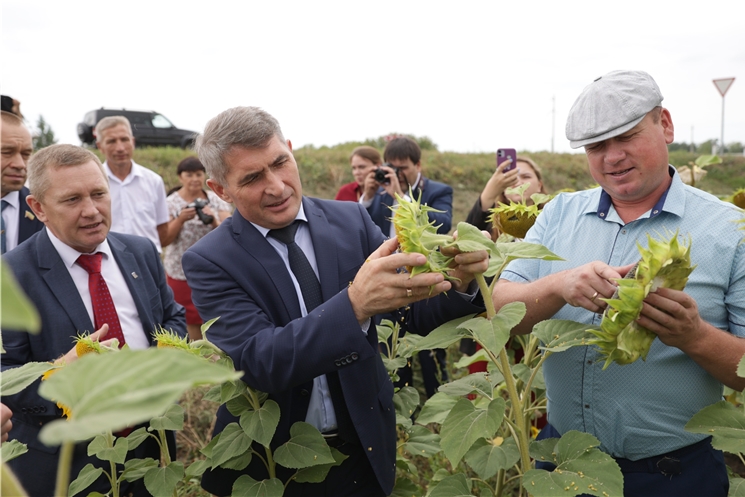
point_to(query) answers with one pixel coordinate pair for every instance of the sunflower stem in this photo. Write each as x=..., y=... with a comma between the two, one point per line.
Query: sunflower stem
x=63, y=470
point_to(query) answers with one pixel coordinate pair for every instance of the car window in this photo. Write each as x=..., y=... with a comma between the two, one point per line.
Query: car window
x=160, y=121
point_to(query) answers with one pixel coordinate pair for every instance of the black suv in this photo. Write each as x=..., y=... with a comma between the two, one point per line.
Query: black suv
x=149, y=128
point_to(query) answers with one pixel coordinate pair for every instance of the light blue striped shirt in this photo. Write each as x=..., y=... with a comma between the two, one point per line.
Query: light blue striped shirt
x=638, y=410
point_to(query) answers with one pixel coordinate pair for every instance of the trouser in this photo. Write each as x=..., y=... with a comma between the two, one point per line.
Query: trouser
x=696, y=470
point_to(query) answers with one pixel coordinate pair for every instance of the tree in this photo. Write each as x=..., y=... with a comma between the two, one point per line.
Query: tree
x=44, y=135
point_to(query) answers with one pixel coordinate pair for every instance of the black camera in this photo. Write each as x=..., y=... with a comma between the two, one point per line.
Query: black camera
x=199, y=204
x=380, y=173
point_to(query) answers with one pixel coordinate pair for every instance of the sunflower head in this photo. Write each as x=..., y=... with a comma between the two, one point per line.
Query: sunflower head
x=516, y=218
x=664, y=263
x=84, y=344
x=169, y=339
x=417, y=234
x=738, y=198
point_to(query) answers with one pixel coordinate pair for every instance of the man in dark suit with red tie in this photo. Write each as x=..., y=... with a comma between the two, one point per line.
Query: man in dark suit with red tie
x=297, y=283
x=81, y=278
x=18, y=221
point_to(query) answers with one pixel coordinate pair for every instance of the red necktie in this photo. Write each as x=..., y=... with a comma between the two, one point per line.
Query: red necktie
x=103, y=306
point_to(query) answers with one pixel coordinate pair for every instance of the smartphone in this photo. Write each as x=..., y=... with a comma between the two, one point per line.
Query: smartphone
x=507, y=153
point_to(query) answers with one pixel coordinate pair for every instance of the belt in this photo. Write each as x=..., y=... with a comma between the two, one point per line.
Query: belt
x=333, y=439
x=667, y=464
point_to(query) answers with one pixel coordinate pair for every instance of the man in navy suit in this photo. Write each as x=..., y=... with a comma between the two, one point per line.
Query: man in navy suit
x=69, y=193
x=405, y=157
x=19, y=222
x=321, y=365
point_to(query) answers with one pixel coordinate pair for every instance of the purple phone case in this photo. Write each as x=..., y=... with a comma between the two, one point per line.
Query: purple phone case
x=507, y=153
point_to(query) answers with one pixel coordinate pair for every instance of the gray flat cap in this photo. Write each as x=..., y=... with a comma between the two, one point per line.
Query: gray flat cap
x=611, y=105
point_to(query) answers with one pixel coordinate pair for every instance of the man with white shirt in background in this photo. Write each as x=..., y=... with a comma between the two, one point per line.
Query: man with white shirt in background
x=138, y=195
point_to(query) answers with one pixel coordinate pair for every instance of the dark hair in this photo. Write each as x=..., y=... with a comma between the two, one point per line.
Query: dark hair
x=190, y=164
x=402, y=148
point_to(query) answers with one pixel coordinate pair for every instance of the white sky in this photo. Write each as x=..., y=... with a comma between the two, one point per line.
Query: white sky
x=471, y=75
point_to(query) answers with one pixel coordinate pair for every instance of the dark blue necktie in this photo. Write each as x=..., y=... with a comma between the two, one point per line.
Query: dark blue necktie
x=311, y=290
x=2, y=234
x=301, y=268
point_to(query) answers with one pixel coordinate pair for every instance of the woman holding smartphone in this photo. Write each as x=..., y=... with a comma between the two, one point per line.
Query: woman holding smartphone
x=526, y=172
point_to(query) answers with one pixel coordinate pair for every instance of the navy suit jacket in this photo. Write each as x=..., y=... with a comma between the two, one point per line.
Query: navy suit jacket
x=434, y=194
x=237, y=275
x=28, y=224
x=44, y=278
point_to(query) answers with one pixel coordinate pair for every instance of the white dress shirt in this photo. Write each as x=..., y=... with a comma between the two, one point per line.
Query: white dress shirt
x=11, y=215
x=129, y=319
x=138, y=203
x=321, y=412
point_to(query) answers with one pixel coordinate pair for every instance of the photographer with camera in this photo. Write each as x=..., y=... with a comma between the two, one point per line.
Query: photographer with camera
x=194, y=213
x=403, y=170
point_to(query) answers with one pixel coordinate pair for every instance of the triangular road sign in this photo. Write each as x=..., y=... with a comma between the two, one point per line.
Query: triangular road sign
x=723, y=84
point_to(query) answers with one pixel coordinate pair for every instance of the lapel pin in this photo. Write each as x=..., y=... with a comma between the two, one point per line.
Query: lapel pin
x=29, y=216
x=134, y=275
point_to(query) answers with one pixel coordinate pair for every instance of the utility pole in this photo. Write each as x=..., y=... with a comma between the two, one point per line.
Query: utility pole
x=722, y=86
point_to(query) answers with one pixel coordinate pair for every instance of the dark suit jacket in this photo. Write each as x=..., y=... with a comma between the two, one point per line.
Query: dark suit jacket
x=434, y=194
x=45, y=279
x=28, y=223
x=237, y=275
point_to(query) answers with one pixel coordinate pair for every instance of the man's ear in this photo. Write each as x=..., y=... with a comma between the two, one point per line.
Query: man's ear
x=289, y=145
x=219, y=190
x=37, y=207
x=667, y=126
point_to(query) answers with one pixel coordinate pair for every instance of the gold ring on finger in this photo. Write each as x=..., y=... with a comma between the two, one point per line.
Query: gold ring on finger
x=409, y=293
x=594, y=296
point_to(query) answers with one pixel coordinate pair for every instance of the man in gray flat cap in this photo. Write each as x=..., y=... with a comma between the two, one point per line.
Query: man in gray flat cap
x=637, y=411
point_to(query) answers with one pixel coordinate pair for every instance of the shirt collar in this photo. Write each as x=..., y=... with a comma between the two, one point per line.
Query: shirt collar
x=300, y=217
x=69, y=255
x=13, y=199
x=674, y=193
x=135, y=171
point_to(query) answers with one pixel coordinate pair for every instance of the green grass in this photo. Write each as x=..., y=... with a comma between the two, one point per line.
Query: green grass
x=323, y=170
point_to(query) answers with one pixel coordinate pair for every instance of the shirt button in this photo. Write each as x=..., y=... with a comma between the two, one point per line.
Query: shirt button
x=589, y=362
x=587, y=406
x=304, y=392
x=623, y=232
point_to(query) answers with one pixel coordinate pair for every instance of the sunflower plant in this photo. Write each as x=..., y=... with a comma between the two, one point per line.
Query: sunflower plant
x=516, y=218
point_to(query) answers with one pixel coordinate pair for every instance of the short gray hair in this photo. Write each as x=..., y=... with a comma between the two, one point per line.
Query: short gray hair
x=56, y=156
x=248, y=127
x=110, y=122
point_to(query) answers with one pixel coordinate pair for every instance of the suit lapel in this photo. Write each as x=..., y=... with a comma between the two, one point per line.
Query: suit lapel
x=261, y=251
x=326, y=252
x=129, y=267
x=27, y=222
x=59, y=281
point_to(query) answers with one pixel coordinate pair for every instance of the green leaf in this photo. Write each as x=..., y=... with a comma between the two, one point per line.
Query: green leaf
x=207, y=325
x=736, y=487
x=406, y=488
x=163, y=480
x=422, y=442
x=467, y=360
x=305, y=448
x=406, y=401
x=581, y=468
x=523, y=372
x=465, y=424
x=437, y=408
x=99, y=447
x=486, y=457
x=404, y=464
x=245, y=486
x=260, y=425
x=495, y=334
x=475, y=382
x=384, y=330
x=137, y=437
x=318, y=473
x=231, y=442
x=724, y=422
x=471, y=239
x=444, y=335
x=198, y=467
x=393, y=364
x=112, y=391
x=18, y=312
x=452, y=486
x=559, y=335
x=12, y=449
x=238, y=405
x=85, y=478
x=207, y=449
x=707, y=160
x=16, y=379
x=172, y=419
x=506, y=252
x=135, y=469
x=239, y=462
x=213, y=394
